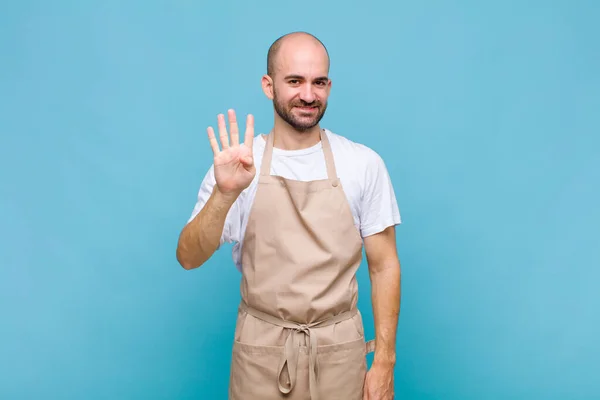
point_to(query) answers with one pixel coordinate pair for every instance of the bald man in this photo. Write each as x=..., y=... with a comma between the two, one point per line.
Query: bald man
x=300, y=204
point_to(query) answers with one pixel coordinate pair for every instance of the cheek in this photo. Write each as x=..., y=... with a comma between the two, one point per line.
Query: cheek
x=286, y=97
x=324, y=93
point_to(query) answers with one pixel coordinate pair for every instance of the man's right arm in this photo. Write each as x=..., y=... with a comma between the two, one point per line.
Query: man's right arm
x=201, y=237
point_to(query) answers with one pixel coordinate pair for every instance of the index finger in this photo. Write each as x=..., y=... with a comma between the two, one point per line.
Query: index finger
x=249, y=135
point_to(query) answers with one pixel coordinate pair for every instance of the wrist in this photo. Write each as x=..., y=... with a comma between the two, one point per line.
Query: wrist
x=385, y=359
x=227, y=198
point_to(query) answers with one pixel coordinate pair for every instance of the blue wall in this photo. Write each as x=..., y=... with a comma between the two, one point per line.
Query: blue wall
x=486, y=113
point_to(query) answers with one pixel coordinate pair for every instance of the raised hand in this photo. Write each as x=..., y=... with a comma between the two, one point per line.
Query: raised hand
x=234, y=163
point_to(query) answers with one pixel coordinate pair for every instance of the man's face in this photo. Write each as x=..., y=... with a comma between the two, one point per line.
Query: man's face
x=301, y=85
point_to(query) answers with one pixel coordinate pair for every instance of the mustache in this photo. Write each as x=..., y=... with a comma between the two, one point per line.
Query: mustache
x=302, y=103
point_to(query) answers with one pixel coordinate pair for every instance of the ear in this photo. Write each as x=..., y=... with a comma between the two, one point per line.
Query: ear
x=267, y=86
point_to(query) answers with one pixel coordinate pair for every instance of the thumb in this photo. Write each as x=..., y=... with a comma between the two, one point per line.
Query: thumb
x=247, y=161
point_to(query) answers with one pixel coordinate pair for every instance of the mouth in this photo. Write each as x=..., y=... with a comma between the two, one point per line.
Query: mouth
x=307, y=109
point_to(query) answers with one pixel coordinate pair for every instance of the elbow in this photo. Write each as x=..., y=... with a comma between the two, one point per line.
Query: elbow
x=185, y=260
x=191, y=253
x=187, y=265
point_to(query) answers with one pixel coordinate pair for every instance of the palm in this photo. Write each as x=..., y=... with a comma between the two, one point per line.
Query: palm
x=234, y=164
x=230, y=173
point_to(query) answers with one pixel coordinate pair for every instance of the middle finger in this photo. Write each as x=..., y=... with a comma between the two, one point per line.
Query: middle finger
x=233, y=127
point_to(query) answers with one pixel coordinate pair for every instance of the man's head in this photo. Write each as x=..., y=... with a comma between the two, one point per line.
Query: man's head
x=297, y=79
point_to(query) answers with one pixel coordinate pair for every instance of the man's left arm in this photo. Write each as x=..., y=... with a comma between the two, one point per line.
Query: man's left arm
x=385, y=275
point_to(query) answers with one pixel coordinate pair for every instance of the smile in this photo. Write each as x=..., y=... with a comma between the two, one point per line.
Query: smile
x=307, y=109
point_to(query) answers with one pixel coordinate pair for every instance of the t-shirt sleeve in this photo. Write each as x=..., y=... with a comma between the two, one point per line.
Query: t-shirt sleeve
x=379, y=208
x=231, y=229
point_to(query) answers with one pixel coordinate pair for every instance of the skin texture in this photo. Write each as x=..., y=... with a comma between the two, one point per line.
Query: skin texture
x=299, y=86
x=385, y=274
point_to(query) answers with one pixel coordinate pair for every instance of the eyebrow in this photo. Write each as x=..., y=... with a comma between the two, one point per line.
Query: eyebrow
x=320, y=78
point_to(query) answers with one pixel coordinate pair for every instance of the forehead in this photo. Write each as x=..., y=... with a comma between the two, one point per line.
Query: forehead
x=302, y=57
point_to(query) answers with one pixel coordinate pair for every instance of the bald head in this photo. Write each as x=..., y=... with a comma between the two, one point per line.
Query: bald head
x=295, y=42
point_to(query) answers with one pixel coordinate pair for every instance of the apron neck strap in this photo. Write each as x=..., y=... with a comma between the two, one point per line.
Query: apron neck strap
x=265, y=168
x=331, y=172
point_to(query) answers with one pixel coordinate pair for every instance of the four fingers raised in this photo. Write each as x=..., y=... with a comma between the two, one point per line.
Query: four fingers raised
x=235, y=136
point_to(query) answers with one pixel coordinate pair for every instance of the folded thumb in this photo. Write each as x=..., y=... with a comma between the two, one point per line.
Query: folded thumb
x=247, y=161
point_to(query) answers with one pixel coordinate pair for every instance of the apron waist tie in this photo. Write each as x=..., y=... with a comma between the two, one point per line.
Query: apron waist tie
x=291, y=351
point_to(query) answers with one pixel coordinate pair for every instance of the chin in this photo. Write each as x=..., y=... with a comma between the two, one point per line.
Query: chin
x=303, y=125
x=304, y=128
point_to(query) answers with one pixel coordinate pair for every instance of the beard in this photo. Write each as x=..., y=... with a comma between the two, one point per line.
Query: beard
x=301, y=124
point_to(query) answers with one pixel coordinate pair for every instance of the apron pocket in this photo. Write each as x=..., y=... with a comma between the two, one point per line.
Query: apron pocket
x=341, y=370
x=254, y=372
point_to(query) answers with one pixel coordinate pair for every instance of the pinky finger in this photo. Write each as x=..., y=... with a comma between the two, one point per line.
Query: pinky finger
x=213, y=140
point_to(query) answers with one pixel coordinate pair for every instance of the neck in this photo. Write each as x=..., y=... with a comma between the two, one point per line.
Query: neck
x=288, y=138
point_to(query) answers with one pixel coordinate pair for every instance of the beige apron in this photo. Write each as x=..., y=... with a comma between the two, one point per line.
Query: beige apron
x=299, y=334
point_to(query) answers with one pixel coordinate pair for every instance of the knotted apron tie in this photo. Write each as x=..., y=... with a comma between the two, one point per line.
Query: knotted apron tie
x=289, y=358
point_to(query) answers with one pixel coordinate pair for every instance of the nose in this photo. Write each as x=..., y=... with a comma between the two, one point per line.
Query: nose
x=307, y=93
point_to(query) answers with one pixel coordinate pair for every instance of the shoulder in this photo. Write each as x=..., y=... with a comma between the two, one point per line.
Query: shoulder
x=359, y=154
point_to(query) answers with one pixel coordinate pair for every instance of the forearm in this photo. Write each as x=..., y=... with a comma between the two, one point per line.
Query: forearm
x=385, y=294
x=200, y=238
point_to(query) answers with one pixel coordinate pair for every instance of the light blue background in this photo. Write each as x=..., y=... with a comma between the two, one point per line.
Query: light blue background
x=486, y=113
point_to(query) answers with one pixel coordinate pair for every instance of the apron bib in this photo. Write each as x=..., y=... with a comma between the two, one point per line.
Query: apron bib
x=299, y=334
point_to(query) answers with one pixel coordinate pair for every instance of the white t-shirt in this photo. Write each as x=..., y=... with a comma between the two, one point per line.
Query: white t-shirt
x=363, y=174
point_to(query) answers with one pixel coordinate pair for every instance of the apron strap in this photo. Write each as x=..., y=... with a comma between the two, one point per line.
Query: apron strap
x=331, y=172
x=265, y=169
x=289, y=358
